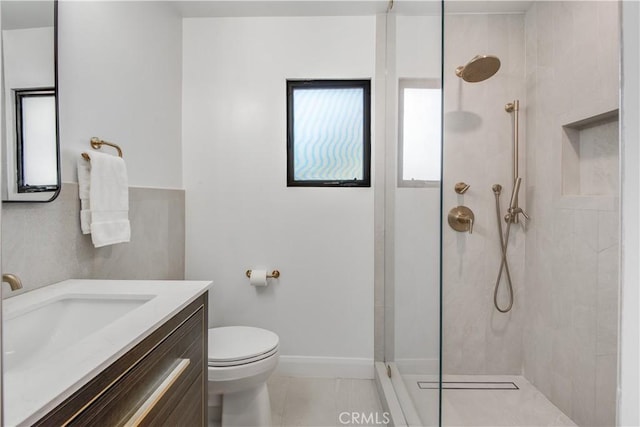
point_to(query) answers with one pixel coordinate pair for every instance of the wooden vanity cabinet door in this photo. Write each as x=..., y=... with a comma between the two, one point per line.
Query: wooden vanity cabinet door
x=160, y=382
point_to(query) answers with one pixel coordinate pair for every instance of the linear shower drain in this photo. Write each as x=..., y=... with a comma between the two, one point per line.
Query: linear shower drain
x=468, y=385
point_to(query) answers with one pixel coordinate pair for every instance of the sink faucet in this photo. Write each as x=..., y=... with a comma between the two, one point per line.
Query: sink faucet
x=14, y=281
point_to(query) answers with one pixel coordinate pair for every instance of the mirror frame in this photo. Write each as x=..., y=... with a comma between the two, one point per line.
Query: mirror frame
x=56, y=192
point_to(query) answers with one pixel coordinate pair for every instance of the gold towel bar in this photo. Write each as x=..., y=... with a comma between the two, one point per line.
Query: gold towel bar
x=274, y=274
x=97, y=143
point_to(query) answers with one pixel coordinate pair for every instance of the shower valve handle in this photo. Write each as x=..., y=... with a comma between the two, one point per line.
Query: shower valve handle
x=461, y=218
x=467, y=219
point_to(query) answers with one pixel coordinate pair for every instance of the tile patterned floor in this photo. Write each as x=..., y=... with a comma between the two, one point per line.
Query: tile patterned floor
x=323, y=402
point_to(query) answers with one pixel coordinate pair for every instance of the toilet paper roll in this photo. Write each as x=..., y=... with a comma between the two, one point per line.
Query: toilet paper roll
x=258, y=278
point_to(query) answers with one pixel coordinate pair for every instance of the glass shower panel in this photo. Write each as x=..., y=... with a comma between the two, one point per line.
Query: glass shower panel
x=414, y=44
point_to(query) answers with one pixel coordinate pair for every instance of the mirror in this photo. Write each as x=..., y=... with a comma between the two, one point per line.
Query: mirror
x=30, y=149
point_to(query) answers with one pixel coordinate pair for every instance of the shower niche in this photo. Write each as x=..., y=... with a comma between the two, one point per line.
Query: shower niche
x=589, y=161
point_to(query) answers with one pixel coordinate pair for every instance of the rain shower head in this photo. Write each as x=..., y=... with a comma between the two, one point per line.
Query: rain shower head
x=480, y=68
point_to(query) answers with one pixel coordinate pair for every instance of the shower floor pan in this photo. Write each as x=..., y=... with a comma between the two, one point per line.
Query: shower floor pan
x=484, y=400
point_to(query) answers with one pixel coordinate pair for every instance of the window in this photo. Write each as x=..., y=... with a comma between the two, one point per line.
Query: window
x=419, y=128
x=36, y=130
x=329, y=133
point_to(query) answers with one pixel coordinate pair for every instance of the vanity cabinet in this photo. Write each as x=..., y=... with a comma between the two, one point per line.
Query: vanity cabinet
x=160, y=381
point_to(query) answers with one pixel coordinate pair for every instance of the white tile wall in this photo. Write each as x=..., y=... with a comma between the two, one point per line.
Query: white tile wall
x=571, y=264
x=42, y=242
x=478, y=150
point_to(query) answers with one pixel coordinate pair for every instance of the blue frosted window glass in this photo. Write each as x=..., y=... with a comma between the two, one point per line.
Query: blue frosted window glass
x=329, y=136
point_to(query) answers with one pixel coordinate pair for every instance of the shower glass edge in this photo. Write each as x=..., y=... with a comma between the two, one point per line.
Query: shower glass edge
x=409, y=378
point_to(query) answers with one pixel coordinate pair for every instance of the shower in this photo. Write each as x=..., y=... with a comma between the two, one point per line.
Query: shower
x=512, y=216
x=480, y=68
x=517, y=131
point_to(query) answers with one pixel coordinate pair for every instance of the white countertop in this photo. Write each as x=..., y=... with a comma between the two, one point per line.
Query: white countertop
x=30, y=394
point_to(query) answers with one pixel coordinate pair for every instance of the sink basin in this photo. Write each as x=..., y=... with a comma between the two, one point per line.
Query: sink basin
x=39, y=331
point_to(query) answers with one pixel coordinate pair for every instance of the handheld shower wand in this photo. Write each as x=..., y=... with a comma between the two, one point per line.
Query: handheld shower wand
x=514, y=209
x=514, y=193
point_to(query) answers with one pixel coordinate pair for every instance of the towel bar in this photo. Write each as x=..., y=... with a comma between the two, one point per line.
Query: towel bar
x=97, y=143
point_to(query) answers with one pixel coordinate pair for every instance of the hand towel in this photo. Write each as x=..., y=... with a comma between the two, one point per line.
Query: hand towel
x=84, y=180
x=108, y=199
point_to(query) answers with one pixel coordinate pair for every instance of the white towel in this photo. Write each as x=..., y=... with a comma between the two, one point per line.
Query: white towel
x=84, y=182
x=106, y=210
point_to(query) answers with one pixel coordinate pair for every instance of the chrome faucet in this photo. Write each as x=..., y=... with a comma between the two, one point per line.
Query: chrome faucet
x=14, y=281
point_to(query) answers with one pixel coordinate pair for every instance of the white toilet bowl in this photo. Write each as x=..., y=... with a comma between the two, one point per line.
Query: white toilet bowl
x=241, y=359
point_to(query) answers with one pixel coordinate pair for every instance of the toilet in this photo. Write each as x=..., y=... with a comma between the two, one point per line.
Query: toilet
x=241, y=359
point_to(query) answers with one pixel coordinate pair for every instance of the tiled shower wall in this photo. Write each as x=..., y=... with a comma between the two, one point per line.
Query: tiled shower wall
x=42, y=242
x=478, y=150
x=571, y=264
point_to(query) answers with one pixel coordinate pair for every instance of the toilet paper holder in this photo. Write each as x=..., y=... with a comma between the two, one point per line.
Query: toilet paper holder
x=274, y=274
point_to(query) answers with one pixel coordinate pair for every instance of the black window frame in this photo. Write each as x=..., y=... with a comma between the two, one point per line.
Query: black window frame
x=20, y=94
x=293, y=85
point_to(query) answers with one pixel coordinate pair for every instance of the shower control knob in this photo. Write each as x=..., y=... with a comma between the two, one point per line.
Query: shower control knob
x=461, y=187
x=461, y=218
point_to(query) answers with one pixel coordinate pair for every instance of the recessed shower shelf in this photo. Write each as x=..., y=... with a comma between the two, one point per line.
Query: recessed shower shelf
x=589, y=161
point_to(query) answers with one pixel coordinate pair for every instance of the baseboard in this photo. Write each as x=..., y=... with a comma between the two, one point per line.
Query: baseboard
x=326, y=367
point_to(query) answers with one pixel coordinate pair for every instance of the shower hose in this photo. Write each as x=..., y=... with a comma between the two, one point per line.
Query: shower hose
x=504, y=264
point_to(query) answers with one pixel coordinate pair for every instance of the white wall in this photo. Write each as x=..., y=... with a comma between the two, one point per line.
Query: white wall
x=241, y=215
x=28, y=54
x=1, y=271
x=628, y=395
x=120, y=80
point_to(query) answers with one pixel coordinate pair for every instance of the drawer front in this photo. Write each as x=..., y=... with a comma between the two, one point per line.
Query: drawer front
x=161, y=376
x=187, y=412
x=157, y=381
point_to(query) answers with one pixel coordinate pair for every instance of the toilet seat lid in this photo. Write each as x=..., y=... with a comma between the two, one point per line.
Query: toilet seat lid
x=236, y=343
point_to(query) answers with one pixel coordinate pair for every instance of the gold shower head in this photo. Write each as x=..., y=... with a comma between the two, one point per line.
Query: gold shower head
x=480, y=68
